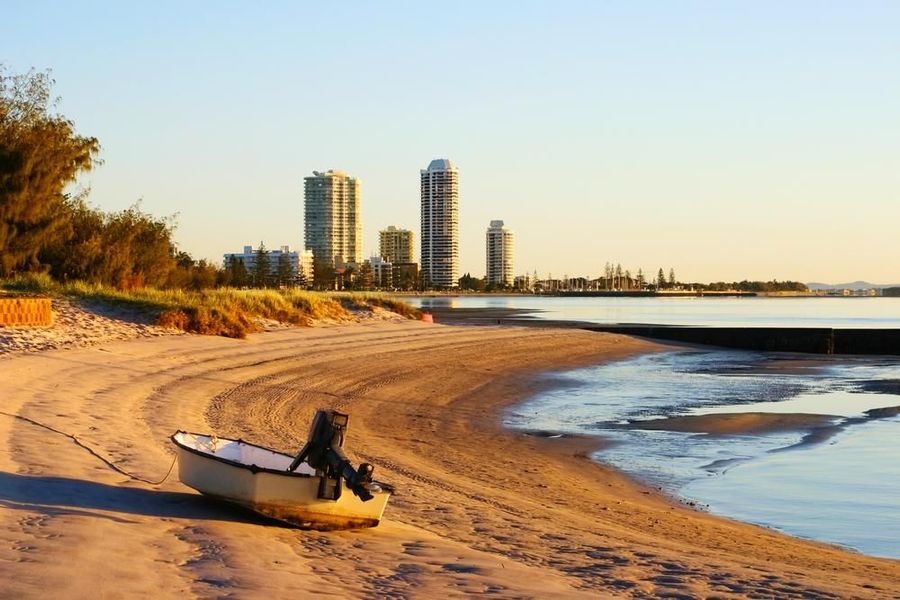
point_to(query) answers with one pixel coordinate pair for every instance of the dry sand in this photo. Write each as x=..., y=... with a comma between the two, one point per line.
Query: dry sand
x=75, y=325
x=477, y=509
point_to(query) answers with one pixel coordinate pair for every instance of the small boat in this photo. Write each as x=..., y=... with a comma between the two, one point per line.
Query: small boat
x=306, y=490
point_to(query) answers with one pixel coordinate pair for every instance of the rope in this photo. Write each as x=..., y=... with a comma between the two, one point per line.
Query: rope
x=96, y=454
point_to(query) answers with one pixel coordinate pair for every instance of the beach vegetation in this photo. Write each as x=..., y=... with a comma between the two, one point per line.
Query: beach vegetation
x=222, y=311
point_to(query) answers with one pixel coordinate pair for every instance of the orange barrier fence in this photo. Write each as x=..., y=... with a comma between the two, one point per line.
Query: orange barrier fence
x=25, y=311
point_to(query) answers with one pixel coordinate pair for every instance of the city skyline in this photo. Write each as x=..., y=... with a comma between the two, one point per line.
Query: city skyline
x=756, y=143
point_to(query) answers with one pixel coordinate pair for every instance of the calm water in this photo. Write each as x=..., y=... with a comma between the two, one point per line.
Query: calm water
x=843, y=487
x=761, y=312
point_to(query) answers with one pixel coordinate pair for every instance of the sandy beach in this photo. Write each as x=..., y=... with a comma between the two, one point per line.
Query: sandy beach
x=478, y=509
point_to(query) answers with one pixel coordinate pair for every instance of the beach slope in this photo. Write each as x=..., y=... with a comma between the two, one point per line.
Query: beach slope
x=478, y=509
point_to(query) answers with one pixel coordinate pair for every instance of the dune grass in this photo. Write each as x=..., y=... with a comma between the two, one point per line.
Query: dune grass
x=228, y=312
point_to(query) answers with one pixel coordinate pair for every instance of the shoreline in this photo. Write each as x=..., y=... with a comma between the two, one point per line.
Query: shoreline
x=479, y=508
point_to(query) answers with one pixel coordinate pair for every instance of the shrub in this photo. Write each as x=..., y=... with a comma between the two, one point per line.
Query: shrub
x=223, y=311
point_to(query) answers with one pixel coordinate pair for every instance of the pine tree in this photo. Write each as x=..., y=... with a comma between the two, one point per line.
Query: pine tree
x=262, y=268
x=239, y=275
x=285, y=270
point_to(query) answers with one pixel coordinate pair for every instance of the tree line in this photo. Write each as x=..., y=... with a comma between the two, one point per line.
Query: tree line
x=45, y=228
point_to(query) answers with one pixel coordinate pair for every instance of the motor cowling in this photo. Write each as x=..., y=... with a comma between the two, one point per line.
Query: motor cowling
x=323, y=452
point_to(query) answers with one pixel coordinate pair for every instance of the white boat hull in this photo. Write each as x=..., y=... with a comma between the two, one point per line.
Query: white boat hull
x=220, y=468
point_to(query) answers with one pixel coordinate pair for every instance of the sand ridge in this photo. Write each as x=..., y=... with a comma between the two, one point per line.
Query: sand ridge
x=478, y=509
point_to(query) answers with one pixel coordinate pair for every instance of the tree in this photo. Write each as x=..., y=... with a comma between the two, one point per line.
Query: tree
x=126, y=249
x=80, y=254
x=324, y=276
x=365, y=277
x=40, y=156
x=467, y=282
x=285, y=273
x=262, y=269
x=138, y=250
x=302, y=279
x=640, y=279
x=204, y=275
x=239, y=277
x=196, y=275
x=672, y=278
x=660, y=279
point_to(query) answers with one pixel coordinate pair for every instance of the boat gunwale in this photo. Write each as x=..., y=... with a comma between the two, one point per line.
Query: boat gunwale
x=253, y=468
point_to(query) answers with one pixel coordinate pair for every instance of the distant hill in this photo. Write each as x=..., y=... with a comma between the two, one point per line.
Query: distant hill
x=853, y=285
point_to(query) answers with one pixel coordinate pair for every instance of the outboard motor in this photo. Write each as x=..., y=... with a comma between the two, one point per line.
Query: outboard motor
x=323, y=453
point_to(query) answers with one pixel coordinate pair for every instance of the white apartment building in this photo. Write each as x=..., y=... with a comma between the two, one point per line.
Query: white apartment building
x=301, y=262
x=499, y=245
x=307, y=266
x=332, y=223
x=440, y=224
x=382, y=272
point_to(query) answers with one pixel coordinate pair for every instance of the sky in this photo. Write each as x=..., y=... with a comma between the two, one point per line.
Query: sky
x=726, y=140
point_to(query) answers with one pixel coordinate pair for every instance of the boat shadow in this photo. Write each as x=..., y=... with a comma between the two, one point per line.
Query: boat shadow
x=57, y=496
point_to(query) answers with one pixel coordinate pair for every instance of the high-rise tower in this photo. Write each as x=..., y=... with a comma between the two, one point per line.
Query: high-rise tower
x=499, y=244
x=440, y=224
x=332, y=225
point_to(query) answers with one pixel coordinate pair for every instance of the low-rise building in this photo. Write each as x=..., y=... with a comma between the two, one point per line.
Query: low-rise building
x=299, y=264
x=382, y=272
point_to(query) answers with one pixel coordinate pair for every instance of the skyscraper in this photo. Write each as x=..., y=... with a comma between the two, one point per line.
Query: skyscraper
x=332, y=226
x=440, y=224
x=499, y=243
x=396, y=245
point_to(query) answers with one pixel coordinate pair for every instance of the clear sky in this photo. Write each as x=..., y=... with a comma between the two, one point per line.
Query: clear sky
x=724, y=139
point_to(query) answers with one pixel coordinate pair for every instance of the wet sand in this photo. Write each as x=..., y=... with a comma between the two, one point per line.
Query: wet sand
x=737, y=423
x=478, y=509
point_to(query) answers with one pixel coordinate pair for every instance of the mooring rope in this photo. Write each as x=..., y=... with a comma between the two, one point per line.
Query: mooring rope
x=96, y=454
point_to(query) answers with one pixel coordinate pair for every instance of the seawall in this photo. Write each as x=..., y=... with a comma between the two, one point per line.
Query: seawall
x=772, y=339
x=811, y=340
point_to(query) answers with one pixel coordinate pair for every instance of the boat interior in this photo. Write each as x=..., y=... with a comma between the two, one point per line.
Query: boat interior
x=240, y=452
